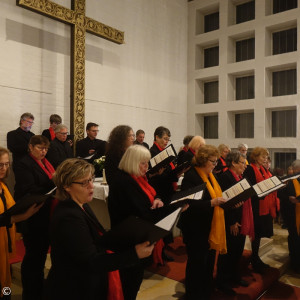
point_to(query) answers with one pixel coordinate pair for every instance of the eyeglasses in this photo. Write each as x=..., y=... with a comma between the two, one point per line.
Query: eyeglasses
x=30, y=122
x=6, y=165
x=242, y=162
x=63, y=133
x=167, y=139
x=94, y=130
x=85, y=183
x=42, y=148
x=131, y=135
x=214, y=162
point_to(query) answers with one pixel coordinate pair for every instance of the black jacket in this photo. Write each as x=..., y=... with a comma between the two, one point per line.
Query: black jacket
x=17, y=143
x=31, y=179
x=58, y=152
x=79, y=260
x=83, y=147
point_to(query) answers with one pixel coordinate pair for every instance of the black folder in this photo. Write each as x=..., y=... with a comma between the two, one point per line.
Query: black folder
x=289, y=177
x=179, y=168
x=130, y=232
x=156, y=162
x=27, y=201
x=187, y=196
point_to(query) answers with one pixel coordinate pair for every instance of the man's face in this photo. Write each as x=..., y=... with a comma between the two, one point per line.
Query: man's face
x=62, y=134
x=140, y=138
x=92, y=132
x=26, y=124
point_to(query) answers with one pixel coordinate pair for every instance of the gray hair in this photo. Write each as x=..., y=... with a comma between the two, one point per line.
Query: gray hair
x=240, y=146
x=133, y=156
x=26, y=115
x=59, y=127
x=296, y=164
x=234, y=157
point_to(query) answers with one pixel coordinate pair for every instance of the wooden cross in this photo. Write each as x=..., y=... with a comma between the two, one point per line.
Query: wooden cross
x=80, y=24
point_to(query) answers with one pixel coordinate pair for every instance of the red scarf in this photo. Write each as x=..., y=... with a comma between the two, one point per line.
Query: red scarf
x=175, y=185
x=151, y=193
x=185, y=149
x=115, y=291
x=266, y=205
x=223, y=164
x=247, y=226
x=45, y=165
x=192, y=150
x=52, y=133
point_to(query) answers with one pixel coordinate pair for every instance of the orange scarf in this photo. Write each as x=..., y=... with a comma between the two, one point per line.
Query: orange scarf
x=247, y=163
x=297, y=207
x=5, y=276
x=217, y=235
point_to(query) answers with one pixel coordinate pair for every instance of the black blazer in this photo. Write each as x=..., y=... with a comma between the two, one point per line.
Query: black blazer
x=17, y=143
x=127, y=198
x=84, y=146
x=163, y=183
x=58, y=152
x=195, y=222
x=184, y=156
x=31, y=179
x=233, y=215
x=79, y=260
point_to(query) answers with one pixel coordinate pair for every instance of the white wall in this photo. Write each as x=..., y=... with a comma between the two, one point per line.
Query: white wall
x=141, y=83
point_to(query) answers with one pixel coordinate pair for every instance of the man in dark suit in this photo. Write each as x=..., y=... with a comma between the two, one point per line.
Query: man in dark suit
x=91, y=145
x=139, y=138
x=60, y=148
x=17, y=140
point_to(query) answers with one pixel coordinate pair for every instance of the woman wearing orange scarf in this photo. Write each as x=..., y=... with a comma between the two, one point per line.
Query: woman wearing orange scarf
x=7, y=228
x=202, y=225
x=263, y=209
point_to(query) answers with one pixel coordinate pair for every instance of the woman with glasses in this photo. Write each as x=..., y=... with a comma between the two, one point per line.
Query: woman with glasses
x=33, y=175
x=82, y=268
x=238, y=222
x=120, y=138
x=7, y=226
x=202, y=225
x=264, y=210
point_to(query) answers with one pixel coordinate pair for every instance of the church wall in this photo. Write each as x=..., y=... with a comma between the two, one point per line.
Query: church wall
x=141, y=83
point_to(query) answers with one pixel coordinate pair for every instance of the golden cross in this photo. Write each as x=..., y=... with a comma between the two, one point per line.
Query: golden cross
x=80, y=23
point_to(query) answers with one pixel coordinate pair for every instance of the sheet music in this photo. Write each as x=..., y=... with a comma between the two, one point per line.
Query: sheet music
x=195, y=196
x=267, y=186
x=235, y=190
x=290, y=178
x=162, y=156
x=168, y=222
x=50, y=192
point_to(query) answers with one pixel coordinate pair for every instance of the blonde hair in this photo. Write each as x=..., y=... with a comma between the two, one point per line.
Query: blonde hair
x=256, y=152
x=196, y=142
x=2, y=152
x=133, y=156
x=203, y=155
x=68, y=171
x=222, y=147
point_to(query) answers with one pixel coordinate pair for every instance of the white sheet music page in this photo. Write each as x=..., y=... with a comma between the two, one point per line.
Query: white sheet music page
x=168, y=222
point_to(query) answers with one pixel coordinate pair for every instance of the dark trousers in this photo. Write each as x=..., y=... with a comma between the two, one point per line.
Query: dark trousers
x=228, y=264
x=32, y=269
x=131, y=279
x=199, y=270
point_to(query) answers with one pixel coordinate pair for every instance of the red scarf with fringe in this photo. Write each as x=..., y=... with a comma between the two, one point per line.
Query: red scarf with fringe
x=247, y=224
x=267, y=205
x=151, y=193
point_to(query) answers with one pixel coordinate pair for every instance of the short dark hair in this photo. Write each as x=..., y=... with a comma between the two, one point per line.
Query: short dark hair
x=91, y=124
x=160, y=131
x=187, y=139
x=139, y=132
x=234, y=157
x=39, y=140
x=55, y=119
x=26, y=115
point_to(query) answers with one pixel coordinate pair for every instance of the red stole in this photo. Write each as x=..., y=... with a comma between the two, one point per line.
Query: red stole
x=192, y=150
x=185, y=149
x=223, y=164
x=45, y=166
x=171, y=164
x=151, y=193
x=52, y=133
x=266, y=205
x=247, y=226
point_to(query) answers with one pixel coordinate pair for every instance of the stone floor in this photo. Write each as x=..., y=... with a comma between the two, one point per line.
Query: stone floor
x=156, y=287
